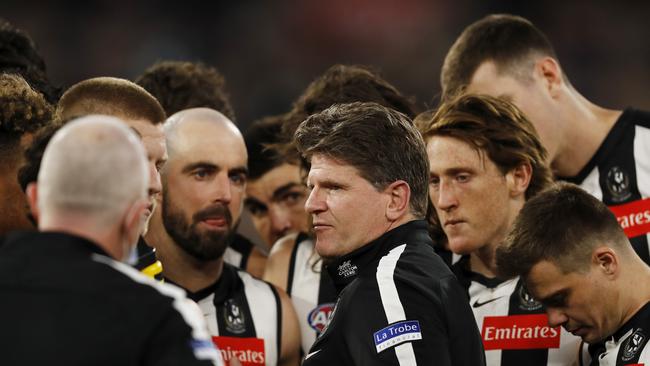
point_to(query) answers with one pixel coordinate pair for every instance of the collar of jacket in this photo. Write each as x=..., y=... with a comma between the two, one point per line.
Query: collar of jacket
x=347, y=268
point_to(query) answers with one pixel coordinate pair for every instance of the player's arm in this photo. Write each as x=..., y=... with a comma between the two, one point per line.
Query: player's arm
x=290, y=347
x=277, y=265
x=256, y=263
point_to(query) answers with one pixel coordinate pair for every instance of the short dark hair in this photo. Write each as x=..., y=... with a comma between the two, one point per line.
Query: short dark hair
x=19, y=55
x=180, y=85
x=23, y=111
x=110, y=96
x=507, y=40
x=381, y=143
x=261, y=137
x=347, y=84
x=562, y=225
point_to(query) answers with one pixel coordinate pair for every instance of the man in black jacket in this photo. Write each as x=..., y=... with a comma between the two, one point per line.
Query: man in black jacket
x=65, y=297
x=398, y=302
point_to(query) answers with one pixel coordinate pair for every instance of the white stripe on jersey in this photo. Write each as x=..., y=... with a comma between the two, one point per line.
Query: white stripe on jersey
x=186, y=307
x=642, y=162
x=304, y=290
x=233, y=257
x=210, y=314
x=393, y=307
x=642, y=159
x=264, y=310
x=591, y=184
x=482, y=294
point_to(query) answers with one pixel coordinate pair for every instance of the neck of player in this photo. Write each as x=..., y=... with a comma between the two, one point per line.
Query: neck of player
x=585, y=128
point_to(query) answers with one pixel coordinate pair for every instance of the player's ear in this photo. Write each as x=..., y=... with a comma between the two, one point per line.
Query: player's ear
x=549, y=71
x=134, y=219
x=518, y=179
x=32, y=199
x=606, y=260
x=399, y=197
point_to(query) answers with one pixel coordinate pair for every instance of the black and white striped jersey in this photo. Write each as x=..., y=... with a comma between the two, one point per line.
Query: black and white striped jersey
x=399, y=304
x=66, y=302
x=311, y=290
x=514, y=326
x=628, y=346
x=619, y=175
x=244, y=317
x=238, y=251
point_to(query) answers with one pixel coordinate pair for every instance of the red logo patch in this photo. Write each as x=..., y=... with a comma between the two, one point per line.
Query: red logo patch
x=519, y=332
x=249, y=351
x=319, y=317
x=634, y=217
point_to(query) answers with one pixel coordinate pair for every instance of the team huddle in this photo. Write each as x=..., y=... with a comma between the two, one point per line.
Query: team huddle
x=509, y=225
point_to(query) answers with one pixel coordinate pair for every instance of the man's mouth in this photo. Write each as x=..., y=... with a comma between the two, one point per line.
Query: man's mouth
x=319, y=225
x=452, y=222
x=578, y=331
x=215, y=221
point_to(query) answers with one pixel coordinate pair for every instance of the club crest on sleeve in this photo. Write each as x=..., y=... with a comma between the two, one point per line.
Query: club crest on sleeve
x=397, y=333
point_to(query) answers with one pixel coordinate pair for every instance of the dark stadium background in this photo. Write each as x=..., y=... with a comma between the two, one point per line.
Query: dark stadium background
x=270, y=50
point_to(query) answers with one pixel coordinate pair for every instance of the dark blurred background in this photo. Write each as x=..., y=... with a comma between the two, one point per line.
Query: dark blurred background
x=270, y=50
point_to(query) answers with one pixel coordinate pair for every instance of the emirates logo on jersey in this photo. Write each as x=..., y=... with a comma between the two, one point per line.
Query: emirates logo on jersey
x=248, y=351
x=347, y=269
x=519, y=332
x=320, y=316
x=634, y=217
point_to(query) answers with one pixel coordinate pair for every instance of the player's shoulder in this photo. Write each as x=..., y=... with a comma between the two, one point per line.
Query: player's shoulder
x=134, y=287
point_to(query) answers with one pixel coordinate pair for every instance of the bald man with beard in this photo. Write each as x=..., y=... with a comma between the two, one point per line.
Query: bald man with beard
x=204, y=181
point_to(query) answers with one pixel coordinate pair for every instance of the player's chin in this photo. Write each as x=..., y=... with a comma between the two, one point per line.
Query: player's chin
x=461, y=245
x=326, y=249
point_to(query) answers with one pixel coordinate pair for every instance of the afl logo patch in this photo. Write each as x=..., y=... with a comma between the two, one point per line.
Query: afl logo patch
x=319, y=316
x=618, y=184
x=526, y=301
x=234, y=317
x=633, y=344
